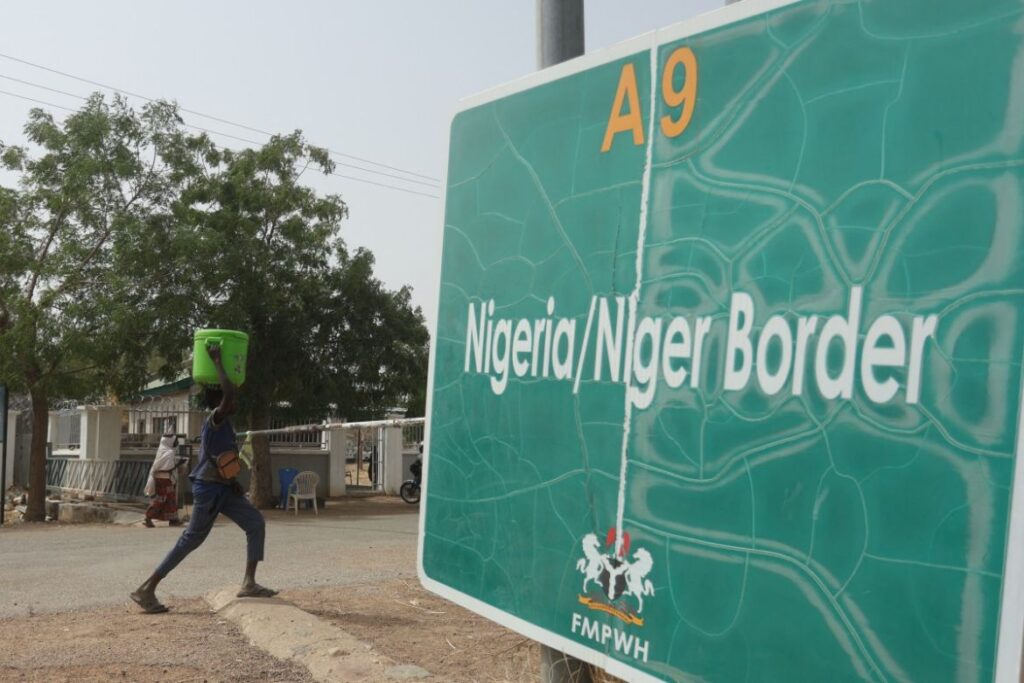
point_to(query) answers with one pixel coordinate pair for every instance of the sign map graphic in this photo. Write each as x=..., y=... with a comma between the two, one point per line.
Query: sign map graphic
x=726, y=380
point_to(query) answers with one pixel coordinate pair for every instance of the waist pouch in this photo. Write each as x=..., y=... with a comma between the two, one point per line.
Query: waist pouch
x=228, y=464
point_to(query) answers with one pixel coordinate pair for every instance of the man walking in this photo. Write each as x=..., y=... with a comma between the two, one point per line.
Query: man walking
x=215, y=491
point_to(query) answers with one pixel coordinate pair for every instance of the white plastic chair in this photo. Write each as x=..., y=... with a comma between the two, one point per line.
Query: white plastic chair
x=303, y=487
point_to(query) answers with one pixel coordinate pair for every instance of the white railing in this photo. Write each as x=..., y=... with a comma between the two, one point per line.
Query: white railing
x=118, y=479
x=67, y=429
x=412, y=436
x=145, y=422
x=311, y=438
x=329, y=426
x=365, y=459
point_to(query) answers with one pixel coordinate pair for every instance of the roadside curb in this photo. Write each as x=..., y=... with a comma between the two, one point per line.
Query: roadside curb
x=286, y=632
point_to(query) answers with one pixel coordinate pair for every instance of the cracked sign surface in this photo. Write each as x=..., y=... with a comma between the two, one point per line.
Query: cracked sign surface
x=737, y=398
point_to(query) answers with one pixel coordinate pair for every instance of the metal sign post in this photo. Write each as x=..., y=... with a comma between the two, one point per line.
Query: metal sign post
x=3, y=450
x=561, y=35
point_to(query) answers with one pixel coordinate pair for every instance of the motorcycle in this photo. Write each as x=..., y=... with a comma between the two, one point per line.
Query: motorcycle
x=410, y=489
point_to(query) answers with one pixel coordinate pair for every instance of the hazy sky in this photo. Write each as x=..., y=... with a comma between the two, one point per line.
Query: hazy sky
x=376, y=79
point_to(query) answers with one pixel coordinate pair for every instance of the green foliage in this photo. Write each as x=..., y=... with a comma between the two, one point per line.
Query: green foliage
x=125, y=234
x=75, y=318
x=376, y=343
x=75, y=313
x=325, y=334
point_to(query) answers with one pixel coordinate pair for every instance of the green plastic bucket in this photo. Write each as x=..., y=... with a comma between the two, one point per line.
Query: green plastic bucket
x=234, y=348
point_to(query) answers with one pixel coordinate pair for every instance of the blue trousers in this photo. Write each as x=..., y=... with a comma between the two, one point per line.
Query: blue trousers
x=212, y=499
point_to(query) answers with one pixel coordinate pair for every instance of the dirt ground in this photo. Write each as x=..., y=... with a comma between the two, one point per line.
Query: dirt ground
x=358, y=474
x=192, y=645
x=187, y=645
x=405, y=622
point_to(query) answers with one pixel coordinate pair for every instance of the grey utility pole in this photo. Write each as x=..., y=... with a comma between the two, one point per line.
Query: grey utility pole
x=560, y=37
x=559, y=31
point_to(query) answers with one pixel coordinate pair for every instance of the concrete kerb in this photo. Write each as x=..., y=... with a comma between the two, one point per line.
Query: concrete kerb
x=286, y=632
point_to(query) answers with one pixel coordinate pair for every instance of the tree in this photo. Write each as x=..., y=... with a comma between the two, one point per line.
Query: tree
x=125, y=234
x=378, y=343
x=325, y=334
x=75, y=310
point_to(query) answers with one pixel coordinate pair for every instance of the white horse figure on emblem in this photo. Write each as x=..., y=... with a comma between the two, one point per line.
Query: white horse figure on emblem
x=637, y=583
x=592, y=563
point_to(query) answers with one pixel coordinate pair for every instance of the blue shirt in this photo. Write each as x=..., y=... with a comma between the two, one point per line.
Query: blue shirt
x=213, y=440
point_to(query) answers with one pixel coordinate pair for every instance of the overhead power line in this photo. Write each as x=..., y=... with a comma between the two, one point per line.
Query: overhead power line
x=213, y=132
x=243, y=139
x=205, y=116
x=32, y=99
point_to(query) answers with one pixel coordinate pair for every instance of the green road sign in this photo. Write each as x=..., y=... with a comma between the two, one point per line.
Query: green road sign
x=727, y=370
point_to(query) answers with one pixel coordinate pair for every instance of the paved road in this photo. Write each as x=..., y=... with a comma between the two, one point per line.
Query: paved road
x=49, y=568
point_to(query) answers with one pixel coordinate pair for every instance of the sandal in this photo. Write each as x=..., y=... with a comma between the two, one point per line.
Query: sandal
x=257, y=591
x=148, y=603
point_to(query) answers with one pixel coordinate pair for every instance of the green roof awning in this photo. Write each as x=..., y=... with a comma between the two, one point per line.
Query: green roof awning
x=178, y=385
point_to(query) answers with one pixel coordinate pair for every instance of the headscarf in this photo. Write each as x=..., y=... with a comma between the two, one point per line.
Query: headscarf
x=165, y=461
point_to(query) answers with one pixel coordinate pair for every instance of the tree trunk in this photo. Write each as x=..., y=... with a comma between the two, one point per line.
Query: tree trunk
x=37, y=459
x=261, y=483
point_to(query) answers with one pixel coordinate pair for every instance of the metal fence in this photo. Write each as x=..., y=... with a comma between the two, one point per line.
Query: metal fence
x=300, y=439
x=412, y=436
x=144, y=423
x=366, y=450
x=68, y=427
x=118, y=479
